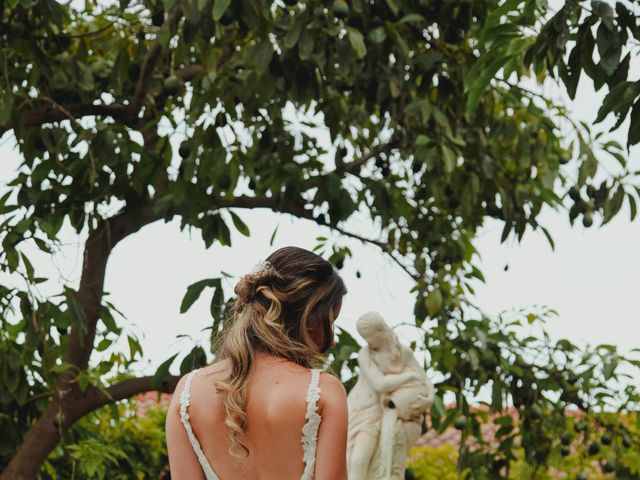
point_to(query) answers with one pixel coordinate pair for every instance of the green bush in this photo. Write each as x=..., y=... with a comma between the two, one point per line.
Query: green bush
x=434, y=463
x=113, y=443
x=591, y=450
x=118, y=443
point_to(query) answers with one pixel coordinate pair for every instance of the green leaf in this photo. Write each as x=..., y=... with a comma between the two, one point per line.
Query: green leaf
x=614, y=101
x=196, y=358
x=27, y=266
x=613, y=204
x=109, y=321
x=134, y=347
x=505, y=231
x=292, y=36
x=83, y=381
x=273, y=235
x=477, y=85
x=103, y=345
x=433, y=302
x=219, y=7
x=225, y=234
x=632, y=206
x=41, y=245
x=549, y=237
x=609, y=368
x=305, y=45
x=393, y=6
x=412, y=17
x=217, y=303
x=162, y=372
x=12, y=257
x=5, y=197
x=164, y=35
x=239, y=224
x=422, y=140
x=442, y=121
x=259, y=56
x=449, y=158
x=6, y=106
x=475, y=272
x=574, y=71
x=193, y=293
x=357, y=42
x=609, y=48
x=634, y=125
x=377, y=35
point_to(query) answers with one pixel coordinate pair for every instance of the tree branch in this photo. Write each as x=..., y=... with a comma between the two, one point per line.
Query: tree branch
x=190, y=71
x=149, y=63
x=128, y=388
x=300, y=212
x=52, y=113
x=56, y=112
x=350, y=167
x=89, y=295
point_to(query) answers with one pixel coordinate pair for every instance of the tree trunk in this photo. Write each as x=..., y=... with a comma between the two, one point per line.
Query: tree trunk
x=70, y=404
x=38, y=442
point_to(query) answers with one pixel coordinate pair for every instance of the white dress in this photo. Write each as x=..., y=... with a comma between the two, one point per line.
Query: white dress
x=309, y=430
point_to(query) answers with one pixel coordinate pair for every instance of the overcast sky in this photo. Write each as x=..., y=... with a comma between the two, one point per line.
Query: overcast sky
x=590, y=279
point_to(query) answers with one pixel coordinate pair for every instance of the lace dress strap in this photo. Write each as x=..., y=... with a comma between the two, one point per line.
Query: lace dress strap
x=310, y=428
x=185, y=398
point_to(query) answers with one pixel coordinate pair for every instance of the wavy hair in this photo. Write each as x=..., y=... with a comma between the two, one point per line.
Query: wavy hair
x=294, y=291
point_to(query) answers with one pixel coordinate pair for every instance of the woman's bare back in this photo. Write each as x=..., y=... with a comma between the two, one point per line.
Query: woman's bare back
x=276, y=408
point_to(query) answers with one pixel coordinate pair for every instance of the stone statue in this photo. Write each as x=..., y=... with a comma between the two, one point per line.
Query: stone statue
x=386, y=405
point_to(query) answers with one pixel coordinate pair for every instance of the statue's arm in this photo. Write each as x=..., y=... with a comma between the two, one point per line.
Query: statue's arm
x=412, y=362
x=382, y=383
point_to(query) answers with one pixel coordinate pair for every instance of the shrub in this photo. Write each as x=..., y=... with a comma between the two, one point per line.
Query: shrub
x=115, y=443
x=434, y=463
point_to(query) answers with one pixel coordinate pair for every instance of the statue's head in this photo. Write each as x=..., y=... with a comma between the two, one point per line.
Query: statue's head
x=372, y=327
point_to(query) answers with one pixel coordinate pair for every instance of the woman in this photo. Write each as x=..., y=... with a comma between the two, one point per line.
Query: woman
x=262, y=411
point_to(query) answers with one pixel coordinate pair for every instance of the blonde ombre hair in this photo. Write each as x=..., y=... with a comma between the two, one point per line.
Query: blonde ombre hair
x=293, y=292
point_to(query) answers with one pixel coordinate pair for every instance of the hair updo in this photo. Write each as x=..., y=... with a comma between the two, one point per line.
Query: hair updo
x=277, y=304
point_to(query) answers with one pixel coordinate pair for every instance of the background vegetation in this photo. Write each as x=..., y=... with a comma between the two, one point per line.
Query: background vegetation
x=119, y=442
x=127, y=442
x=140, y=111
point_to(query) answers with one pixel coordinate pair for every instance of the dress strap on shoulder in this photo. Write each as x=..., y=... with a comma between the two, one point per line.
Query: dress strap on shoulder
x=185, y=399
x=310, y=428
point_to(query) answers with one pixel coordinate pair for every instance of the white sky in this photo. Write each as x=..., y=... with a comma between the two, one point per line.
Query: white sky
x=590, y=279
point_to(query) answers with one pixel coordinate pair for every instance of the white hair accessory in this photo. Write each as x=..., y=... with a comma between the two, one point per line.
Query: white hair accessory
x=261, y=267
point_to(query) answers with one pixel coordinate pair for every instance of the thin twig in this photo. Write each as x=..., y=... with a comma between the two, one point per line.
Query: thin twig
x=68, y=114
x=149, y=62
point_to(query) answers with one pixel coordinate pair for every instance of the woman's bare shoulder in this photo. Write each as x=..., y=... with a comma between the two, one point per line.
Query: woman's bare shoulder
x=216, y=368
x=205, y=375
x=332, y=390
